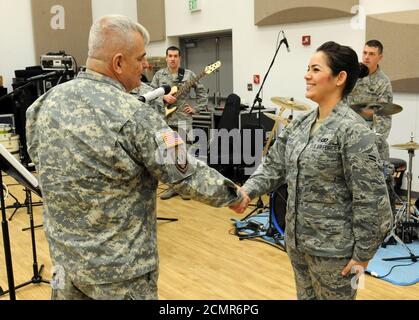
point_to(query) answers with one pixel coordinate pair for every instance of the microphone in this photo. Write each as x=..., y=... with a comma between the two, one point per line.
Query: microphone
x=44, y=75
x=159, y=92
x=284, y=40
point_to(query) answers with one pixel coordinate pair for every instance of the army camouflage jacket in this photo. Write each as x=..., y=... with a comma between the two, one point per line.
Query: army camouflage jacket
x=376, y=88
x=164, y=76
x=338, y=203
x=99, y=153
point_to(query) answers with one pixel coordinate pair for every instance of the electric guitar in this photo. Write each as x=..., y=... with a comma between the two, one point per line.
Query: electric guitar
x=177, y=92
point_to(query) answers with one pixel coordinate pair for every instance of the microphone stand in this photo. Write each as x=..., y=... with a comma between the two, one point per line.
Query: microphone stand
x=7, y=250
x=258, y=99
x=37, y=271
x=15, y=91
x=259, y=205
x=31, y=80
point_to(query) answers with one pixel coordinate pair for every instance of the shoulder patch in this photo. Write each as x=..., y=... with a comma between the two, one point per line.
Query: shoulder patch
x=181, y=159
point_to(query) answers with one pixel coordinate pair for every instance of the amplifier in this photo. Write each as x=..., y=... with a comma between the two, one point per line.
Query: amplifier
x=247, y=118
x=58, y=62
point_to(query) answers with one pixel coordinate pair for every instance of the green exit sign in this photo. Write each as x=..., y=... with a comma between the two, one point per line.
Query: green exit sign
x=194, y=5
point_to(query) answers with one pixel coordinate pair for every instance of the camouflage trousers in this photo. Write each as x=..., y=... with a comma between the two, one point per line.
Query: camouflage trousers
x=141, y=288
x=319, y=278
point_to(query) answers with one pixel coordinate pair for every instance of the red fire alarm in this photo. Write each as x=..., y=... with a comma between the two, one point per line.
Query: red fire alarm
x=256, y=79
x=306, y=41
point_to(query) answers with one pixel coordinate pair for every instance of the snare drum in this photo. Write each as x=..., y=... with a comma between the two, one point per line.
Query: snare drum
x=11, y=143
x=278, y=207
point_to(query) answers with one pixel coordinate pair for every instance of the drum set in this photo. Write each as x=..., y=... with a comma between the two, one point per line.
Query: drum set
x=405, y=220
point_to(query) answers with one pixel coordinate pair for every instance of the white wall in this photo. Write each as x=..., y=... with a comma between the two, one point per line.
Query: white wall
x=17, y=49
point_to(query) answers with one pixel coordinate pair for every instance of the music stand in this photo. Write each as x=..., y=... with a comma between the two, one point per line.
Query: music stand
x=10, y=165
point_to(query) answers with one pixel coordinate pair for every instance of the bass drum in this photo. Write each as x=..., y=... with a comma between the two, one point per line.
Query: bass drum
x=278, y=207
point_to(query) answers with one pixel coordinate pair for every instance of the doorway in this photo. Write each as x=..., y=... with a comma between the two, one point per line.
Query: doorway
x=200, y=51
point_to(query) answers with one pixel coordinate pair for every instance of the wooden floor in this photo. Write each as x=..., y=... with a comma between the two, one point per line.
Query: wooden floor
x=199, y=258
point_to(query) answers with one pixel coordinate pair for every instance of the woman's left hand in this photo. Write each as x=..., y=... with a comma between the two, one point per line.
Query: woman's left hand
x=352, y=263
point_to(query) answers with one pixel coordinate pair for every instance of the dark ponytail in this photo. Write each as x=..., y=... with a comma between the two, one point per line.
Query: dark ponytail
x=342, y=58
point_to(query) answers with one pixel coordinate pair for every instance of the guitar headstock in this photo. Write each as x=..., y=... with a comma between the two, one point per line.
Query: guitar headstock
x=212, y=67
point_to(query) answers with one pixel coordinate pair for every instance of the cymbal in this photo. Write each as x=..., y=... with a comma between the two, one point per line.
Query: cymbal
x=273, y=116
x=276, y=117
x=290, y=103
x=411, y=145
x=380, y=108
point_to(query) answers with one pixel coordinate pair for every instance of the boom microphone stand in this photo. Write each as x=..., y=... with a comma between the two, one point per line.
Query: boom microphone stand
x=6, y=244
x=15, y=169
x=17, y=205
x=259, y=204
x=37, y=277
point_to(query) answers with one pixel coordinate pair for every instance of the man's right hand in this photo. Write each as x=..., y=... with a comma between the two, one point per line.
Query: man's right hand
x=169, y=99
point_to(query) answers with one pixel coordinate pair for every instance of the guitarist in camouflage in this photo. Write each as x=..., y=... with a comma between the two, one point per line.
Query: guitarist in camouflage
x=173, y=75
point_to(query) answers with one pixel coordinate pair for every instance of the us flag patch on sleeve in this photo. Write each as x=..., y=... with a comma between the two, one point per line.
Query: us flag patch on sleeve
x=172, y=139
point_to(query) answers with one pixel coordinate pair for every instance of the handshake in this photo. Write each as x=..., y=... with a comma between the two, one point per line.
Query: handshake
x=240, y=207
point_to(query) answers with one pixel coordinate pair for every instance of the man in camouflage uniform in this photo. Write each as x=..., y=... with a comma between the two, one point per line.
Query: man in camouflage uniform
x=376, y=87
x=173, y=75
x=99, y=153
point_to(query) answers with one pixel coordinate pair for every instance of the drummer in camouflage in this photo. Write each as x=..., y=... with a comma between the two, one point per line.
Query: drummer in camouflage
x=376, y=87
x=99, y=153
x=338, y=209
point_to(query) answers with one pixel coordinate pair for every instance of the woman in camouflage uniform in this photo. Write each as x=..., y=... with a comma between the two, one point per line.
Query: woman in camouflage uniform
x=338, y=210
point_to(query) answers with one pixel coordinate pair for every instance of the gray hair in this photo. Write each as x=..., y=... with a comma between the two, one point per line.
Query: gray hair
x=113, y=31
